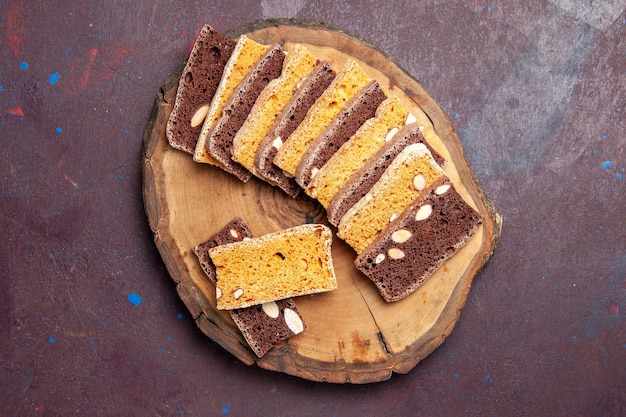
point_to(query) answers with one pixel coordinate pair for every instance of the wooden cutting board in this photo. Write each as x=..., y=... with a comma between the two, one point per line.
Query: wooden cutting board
x=352, y=334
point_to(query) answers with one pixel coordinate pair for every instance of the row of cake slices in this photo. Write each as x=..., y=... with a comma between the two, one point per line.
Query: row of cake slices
x=297, y=123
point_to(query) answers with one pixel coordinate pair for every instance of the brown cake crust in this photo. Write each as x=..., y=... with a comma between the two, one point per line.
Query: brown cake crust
x=220, y=141
x=423, y=237
x=362, y=181
x=260, y=330
x=197, y=86
x=311, y=89
x=360, y=108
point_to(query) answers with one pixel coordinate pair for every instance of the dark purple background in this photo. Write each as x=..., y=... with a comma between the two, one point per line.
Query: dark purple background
x=90, y=321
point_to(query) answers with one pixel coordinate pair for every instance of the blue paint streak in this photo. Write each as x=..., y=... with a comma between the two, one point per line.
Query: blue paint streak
x=51, y=340
x=54, y=78
x=0, y=88
x=134, y=298
x=59, y=129
x=23, y=65
x=607, y=164
x=618, y=176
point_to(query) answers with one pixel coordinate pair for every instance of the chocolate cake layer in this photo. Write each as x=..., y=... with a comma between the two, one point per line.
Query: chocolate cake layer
x=415, y=245
x=294, y=112
x=220, y=141
x=234, y=231
x=197, y=86
x=359, y=109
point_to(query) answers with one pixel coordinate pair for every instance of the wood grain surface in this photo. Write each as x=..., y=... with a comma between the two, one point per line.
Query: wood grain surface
x=352, y=334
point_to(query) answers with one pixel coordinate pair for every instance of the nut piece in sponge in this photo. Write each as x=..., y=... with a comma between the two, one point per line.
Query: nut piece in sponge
x=287, y=263
x=435, y=227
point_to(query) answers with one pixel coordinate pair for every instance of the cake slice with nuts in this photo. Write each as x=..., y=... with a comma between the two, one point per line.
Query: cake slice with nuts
x=270, y=103
x=411, y=172
x=348, y=82
x=279, y=265
x=244, y=56
x=360, y=108
x=262, y=326
x=197, y=86
x=360, y=183
x=435, y=227
x=352, y=155
x=219, y=142
x=309, y=90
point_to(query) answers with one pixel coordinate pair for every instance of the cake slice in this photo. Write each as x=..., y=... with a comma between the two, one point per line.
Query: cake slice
x=350, y=79
x=288, y=263
x=362, y=146
x=407, y=176
x=262, y=326
x=271, y=102
x=360, y=108
x=310, y=89
x=358, y=185
x=219, y=142
x=416, y=244
x=244, y=56
x=196, y=88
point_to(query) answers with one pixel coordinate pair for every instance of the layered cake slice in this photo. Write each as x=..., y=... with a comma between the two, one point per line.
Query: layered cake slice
x=197, y=86
x=219, y=142
x=288, y=263
x=412, y=171
x=358, y=185
x=262, y=326
x=416, y=244
x=310, y=89
x=352, y=155
x=357, y=111
x=245, y=55
x=271, y=102
x=349, y=81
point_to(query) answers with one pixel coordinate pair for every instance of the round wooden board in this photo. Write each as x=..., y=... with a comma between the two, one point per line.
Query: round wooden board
x=352, y=334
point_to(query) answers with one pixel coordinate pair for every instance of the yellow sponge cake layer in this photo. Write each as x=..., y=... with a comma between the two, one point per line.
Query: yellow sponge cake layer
x=413, y=170
x=351, y=156
x=288, y=263
x=245, y=55
x=270, y=103
x=349, y=81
